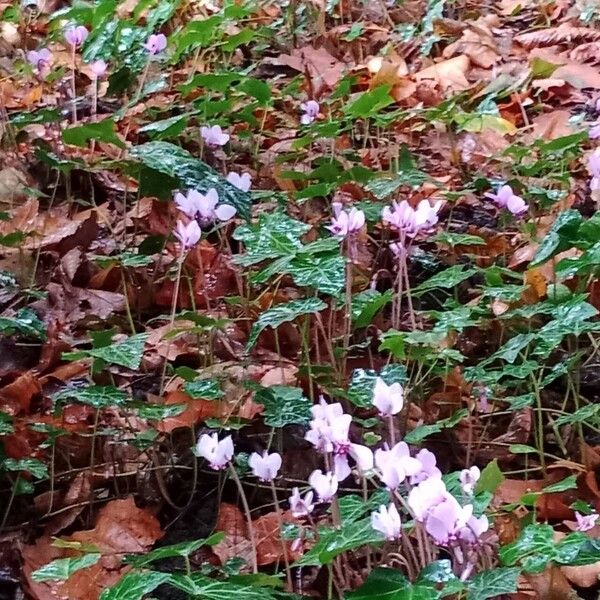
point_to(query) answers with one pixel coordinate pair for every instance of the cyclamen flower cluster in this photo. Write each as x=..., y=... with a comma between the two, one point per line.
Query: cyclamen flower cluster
x=76, y=35
x=156, y=43
x=506, y=198
x=204, y=208
x=346, y=223
x=410, y=221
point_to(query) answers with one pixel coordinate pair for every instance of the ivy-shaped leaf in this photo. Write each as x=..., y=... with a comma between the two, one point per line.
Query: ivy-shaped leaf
x=127, y=353
x=283, y=405
x=208, y=389
x=360, y=392
x=62, y=568
x=135, y=585
x=191, y=172
x=25, y=322
x=493, y=583
x=283, y=313
x=94, y=395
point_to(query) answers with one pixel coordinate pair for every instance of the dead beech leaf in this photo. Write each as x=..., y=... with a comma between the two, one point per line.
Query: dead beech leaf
x=196, y=410
x=580, y=76
x=556, y=35
x=552, y=125
x=323, y=69
x=121, y=527
x=15, y=397
x=269, y=547
x=589, y=52
x=551, y=584
x=478, y=43
x=510, y=491
x=448, y=74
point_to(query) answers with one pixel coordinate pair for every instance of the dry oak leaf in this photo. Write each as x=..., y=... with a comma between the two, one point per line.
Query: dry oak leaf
x=448, y=74
x=121, y=528
x=323, y=69
x=196, y=410
x=478, y=43
x=564, y=33
x=586, y=52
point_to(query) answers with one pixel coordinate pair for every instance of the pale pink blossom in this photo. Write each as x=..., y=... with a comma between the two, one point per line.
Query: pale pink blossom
x=474, y=529
x=585, y=522
x=388, y=399
x=469, y=478
x=324, y=484
x=387, y=521
x=341, y=467
x=98, y=68
x=203, y=207
x=310, y=110
x=506, y=198
x=445, y=520
x=156, y=43
x=594, y=163
x=76, y=35
x=40, y=60
x=423, y=497
x=363, y=457
x=214, y=136
x=395, y=465
x=217, y=452
x=189, y=235
x=265, y=466
x=402, y=216
x=345, y=223
x=594, y=131
x=428, y=467
x=426, y=216
x=242, y=182
x=301, y=507
x=329, y=428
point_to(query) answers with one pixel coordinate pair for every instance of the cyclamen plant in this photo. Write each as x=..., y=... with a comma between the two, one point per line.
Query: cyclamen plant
x=421, y=511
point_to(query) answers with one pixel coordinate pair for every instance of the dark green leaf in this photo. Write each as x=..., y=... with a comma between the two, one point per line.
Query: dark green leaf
x=134, y=586
x=493, y=583
x=32, y=465
x=191, y=172
x=390, y=584
x=103, y=131
x=175, y=550
x=25, y=322
x=95, y=395
x=360, y=392
x=559, y=238
x=365, y=305
x=208, y=389
x=418, y=434
x=491, y=477
x=127, y=353
x=62, y=568
x=282, y=313
x=283, y=405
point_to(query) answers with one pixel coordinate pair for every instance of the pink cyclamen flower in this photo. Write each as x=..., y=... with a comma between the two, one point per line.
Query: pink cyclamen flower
x=265, y=466
x=40, y=60
x=241, y=182
x=346, y=223
x=402, y=216
x=446, y=519
x=156, y=43
x=75, y=36
x=388, y=399
x=217, y=452
x=428, y=467
x=423, y=497
x=325, y=484
x=426, y=216
x=594, y=131
x=98, y=68
x=506, y=198
x=301, y=507
x=396, y=465
x=189, y=235
x=214, y=136
x=310, y=110
x=473, y=530
x=363, y=457
x=387, y=521
x=203, y=207
x=329, y=429
x=469, y=478
x=586, y=522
